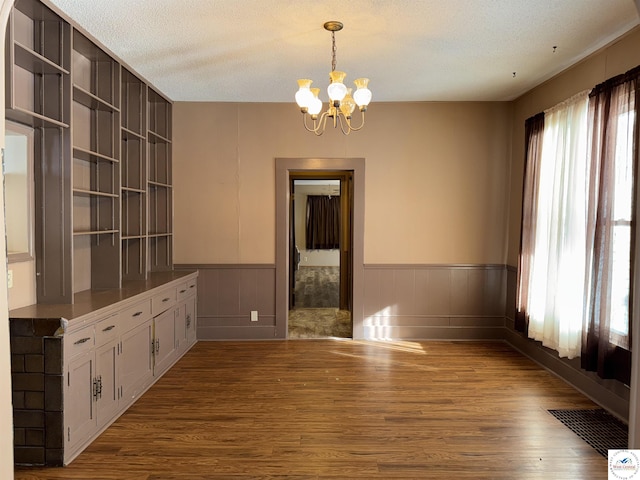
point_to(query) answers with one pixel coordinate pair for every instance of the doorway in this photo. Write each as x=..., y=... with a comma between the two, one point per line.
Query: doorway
x=285, y=169
x=320, y=244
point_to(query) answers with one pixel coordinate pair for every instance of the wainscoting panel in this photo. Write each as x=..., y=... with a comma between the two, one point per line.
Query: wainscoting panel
x=226, y=296
x=434, y=301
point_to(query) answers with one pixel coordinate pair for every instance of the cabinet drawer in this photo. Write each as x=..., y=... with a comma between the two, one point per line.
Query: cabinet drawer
x=79, y=342
x=164, y=300
x=135, y=315
x=107, y=329
x=186, y=290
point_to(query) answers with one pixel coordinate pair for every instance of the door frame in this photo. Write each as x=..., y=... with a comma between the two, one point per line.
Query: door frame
x=345, y=262
x=284, y=168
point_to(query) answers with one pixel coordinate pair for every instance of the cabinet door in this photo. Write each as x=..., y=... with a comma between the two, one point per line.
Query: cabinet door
x=191, y=320
x=165, y=341
x=107, y=398
x=135, y=365
x=181, y=328
x=79, y=405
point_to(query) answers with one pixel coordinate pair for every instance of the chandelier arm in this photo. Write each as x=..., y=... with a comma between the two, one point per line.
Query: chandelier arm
x=355, y=129
x=322, y=124
x=344, y=121
x=319, y=124
x=304, y=122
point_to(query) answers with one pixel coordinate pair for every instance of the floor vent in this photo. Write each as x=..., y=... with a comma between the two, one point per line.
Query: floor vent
x=597, y=427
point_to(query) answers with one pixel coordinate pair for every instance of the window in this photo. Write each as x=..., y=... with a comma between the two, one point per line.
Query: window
x=558, y=263
x=575, y=269
x=621, y=228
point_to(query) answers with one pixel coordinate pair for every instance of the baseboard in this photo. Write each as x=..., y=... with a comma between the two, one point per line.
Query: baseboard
x=230, y=333
x=609, y=394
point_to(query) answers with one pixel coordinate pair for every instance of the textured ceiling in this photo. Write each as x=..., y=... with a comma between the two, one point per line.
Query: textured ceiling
x=412, y=50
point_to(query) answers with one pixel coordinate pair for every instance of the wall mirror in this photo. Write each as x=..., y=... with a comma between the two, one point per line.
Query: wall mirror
x=17, y=165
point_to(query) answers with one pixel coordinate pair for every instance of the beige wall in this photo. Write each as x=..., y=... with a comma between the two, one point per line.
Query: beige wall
x=23, y=292
x=619, y=57
x=437, y=180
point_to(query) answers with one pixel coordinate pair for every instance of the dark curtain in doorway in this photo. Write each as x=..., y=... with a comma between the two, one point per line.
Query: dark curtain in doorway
x=323, y=222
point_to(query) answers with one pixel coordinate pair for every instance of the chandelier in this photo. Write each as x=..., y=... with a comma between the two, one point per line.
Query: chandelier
x=341, y=102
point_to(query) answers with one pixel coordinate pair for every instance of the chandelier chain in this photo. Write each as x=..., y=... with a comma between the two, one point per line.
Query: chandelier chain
x=334, y=49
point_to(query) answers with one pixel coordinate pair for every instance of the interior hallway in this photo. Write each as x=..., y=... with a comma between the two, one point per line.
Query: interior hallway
x=317, y=298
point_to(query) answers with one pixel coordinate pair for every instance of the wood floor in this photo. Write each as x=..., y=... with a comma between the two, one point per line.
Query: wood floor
x=343, y=409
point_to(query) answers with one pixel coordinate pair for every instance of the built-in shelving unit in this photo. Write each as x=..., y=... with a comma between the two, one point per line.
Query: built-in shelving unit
x=103, y=156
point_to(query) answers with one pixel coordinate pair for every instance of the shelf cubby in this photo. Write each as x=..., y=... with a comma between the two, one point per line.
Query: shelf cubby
x=160, y=211
x=160, y=252
x=159, y=115
x=134, y=258
x=38, y=82
x=133, y=214
x=133, y=103
x=95, y=72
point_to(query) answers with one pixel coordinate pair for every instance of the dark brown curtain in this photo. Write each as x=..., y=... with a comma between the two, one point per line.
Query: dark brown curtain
x=613, y=125
x=534, y=130
x=323, y=222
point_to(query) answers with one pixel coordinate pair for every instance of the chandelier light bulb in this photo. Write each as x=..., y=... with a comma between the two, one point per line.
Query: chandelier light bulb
x=347, y=106
x=315, y=104
x=336, y=89
x=304, y=97
x=362, y=96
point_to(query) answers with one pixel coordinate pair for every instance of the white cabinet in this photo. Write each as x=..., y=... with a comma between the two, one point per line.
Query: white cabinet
x=79, y=405
x=113, y=358
x=190, y=320
x=107, y=389
x=181, y=327
x=185, y=316
x=136, y=361
x=92, y=389
x=164, y=333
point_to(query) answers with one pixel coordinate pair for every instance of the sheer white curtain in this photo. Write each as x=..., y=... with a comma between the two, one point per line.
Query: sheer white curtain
x=557, y=276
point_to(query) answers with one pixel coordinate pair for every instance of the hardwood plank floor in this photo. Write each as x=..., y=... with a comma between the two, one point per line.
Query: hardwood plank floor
x=343, y=409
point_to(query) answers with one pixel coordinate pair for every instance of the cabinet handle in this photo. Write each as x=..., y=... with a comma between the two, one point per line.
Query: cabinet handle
x=166, y=299
x=82, y=340
x=137, y=314
x=192, y=286
x=95, y=389
x=182, y=291
x=188, y=321
x=157, y=346
x=110, y=327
